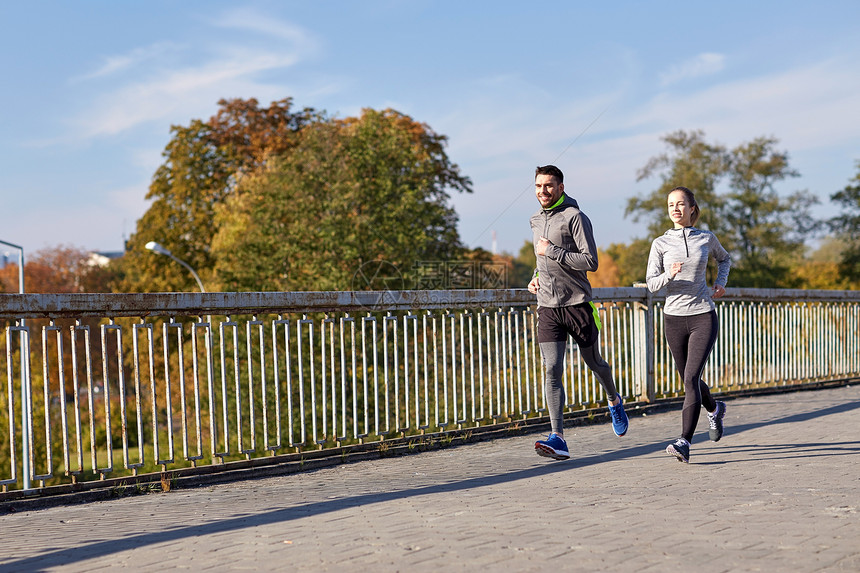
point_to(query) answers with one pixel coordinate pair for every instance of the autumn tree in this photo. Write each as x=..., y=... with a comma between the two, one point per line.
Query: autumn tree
x=820, y=269
x=763, y=230
x=607, y=273
x=61, y=269
x=522, y=268
x=202, y=164
x=350, y=192
x=846, y=225
x=631, y=260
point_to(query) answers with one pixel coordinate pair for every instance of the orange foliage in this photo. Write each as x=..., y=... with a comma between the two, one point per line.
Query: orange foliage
x=608, y=274
x=57, y=270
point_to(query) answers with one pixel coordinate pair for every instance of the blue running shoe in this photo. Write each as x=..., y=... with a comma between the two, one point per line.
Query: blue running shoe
x=619, y=418
x=553, y=447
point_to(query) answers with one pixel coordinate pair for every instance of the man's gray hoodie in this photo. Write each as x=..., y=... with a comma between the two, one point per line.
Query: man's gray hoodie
x=562, y=279
x=687, y=293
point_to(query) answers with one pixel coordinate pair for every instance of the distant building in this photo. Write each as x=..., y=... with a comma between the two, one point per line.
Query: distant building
x=102, y=258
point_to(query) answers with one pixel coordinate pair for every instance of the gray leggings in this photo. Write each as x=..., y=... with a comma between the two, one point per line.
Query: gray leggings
x=553, y=362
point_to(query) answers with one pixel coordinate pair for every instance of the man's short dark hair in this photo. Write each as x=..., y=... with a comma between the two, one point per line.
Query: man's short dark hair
x=550, y=170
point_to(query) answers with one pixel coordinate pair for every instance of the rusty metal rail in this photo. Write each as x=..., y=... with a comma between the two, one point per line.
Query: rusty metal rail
x=116, y=384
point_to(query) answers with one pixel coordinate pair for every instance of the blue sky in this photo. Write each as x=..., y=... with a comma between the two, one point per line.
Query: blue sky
x=91, y=89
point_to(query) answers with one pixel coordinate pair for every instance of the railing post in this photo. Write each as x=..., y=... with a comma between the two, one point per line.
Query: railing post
x=650, y=347
x=25, y=378
x=649, y=392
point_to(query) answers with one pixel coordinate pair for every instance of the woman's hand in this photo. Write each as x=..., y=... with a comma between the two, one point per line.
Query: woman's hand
x=718, y=291
x=675, y=269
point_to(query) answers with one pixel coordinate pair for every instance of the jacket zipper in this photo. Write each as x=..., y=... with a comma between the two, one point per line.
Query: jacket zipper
x=545, y=233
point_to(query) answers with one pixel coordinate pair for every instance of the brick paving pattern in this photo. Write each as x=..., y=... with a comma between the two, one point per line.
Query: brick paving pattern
x=780, y=492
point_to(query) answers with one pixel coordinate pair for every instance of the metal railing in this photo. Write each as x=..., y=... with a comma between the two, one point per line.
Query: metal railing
x=119, y=384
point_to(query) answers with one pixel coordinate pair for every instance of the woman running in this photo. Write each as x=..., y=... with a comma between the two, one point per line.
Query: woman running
x=678, y=261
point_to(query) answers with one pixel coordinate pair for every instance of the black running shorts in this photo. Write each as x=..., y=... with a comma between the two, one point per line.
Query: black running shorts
x=555, y=324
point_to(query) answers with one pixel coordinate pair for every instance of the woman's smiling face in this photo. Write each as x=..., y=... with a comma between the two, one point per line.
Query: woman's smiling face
x=680, y=210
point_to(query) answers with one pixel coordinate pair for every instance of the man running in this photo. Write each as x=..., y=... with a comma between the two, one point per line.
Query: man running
x=565, y=249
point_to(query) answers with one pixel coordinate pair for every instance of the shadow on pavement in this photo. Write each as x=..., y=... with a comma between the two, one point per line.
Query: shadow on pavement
x=96, y=549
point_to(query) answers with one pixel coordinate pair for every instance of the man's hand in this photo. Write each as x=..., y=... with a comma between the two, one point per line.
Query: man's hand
x=533, y=285
x=541, y=246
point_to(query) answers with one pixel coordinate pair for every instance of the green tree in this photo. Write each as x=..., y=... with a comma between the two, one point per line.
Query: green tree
x=203, y=163
x=820, y=268
x=691, y=162
x=351, y=192
x=762, y=230
x=523, y=266
x=765, y=233
x=847, y=227
x=631, y=260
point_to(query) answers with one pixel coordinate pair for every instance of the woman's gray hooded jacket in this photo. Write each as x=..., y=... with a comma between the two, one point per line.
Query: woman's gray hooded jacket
x=687, y=293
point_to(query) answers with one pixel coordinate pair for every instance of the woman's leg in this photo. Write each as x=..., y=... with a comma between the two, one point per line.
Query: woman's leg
x=704, y=337
x=677, y=335
x=691, y=339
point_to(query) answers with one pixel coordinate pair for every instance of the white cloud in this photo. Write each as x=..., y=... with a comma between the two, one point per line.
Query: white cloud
x=228, y=65
x=177, y=93
x=122, y=62
x=252, y=21
x=702, y=65
x=803, y=107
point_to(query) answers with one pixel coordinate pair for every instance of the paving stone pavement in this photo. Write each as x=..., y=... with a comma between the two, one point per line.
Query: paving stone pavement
x=780, y=492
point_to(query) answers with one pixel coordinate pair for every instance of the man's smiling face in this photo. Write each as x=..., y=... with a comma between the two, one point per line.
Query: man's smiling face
x=548, y=190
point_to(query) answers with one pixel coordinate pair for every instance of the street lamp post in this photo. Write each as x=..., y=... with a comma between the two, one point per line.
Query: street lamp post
x=153, y=246
x=25, y=390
